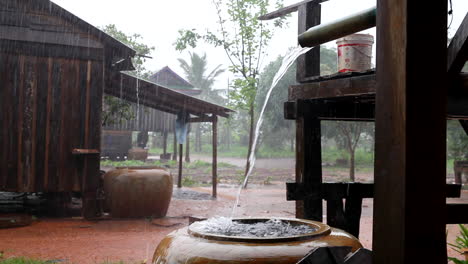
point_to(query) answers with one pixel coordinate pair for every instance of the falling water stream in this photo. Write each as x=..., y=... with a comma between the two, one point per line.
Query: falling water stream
x=273, y=227
x=288, y=60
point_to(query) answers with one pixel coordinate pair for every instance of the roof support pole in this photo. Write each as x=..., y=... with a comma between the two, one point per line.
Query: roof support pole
x=215, y=155
x=410, y=137
x=179, y=178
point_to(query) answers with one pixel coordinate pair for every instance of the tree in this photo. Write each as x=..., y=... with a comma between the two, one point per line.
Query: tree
x=195, y=72
x=116, y=110
x=347, y=135
x=457, y=141
x=244, y=46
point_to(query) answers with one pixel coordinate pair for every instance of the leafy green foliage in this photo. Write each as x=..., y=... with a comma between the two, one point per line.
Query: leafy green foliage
x=21, y=260
x=134, y=41
x=244, y=45
x=196, y=74
x=461, y=242
x=188, y=181
x=457, y=141
x=116, y=110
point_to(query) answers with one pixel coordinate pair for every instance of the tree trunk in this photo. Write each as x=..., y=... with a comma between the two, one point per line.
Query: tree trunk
x=251, y=138
x=351, y=165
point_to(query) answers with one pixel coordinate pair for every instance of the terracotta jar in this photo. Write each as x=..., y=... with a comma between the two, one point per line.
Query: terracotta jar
x=137, y=192
x=188, y=246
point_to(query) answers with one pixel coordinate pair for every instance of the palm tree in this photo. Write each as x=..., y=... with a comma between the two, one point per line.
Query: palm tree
x=195, y=72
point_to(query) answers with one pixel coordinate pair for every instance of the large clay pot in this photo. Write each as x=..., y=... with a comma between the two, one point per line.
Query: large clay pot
x=188, y=246
x=137, y=192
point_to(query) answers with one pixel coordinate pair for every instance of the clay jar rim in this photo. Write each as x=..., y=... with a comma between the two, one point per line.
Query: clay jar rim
x=321, y=230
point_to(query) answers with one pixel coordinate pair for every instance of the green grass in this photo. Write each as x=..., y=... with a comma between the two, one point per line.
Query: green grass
x=196, y=164
x=22, y=260
x=125, y=163
x=157, y=151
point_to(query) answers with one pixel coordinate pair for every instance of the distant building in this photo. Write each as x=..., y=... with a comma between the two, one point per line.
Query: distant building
x=168, y=78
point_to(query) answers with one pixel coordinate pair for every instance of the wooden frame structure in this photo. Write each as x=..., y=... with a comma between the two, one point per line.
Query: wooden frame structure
x=164, y=99
x=410, y=104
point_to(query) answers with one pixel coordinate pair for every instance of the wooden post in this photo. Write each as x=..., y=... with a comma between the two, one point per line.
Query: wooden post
x=410, y=136
x=308, y=65
x=215, y=155
x=174, y=155
x=179, y=178
x=187, y=145
x=309, y=163
x=164, y=143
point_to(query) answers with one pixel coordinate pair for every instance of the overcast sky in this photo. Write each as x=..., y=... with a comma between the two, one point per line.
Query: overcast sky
x=159, y=20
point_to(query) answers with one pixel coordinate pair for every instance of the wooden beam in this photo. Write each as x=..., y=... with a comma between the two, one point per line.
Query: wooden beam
x=405, y=130
x=201, y=119
x=457, y=52
x=214, y=169
x=352, y=86
x=288, y=9
x=308, y=65
x=457, y=213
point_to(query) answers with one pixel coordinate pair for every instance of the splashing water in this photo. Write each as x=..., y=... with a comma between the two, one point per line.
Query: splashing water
x=288, y=60
x=273, y=228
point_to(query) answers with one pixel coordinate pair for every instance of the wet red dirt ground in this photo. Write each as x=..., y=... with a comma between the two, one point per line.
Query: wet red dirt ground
x=74, y=240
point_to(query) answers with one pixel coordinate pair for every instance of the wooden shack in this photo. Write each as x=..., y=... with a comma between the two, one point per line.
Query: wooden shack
x=52, y=75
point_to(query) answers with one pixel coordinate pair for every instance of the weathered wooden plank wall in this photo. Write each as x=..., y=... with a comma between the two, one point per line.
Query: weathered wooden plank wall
x=149, y=119
x=49, y=106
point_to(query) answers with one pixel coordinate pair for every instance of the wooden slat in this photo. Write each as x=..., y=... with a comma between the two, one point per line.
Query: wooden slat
x=55, y=131
x=457, y=52
x=47, y=124
x=41, y=116
x=288, y=9
x=3, y=131
x=19, y=128
x=29, y=130
x=404, y=130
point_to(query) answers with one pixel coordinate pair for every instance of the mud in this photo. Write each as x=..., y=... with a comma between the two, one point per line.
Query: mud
x=75, y=240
